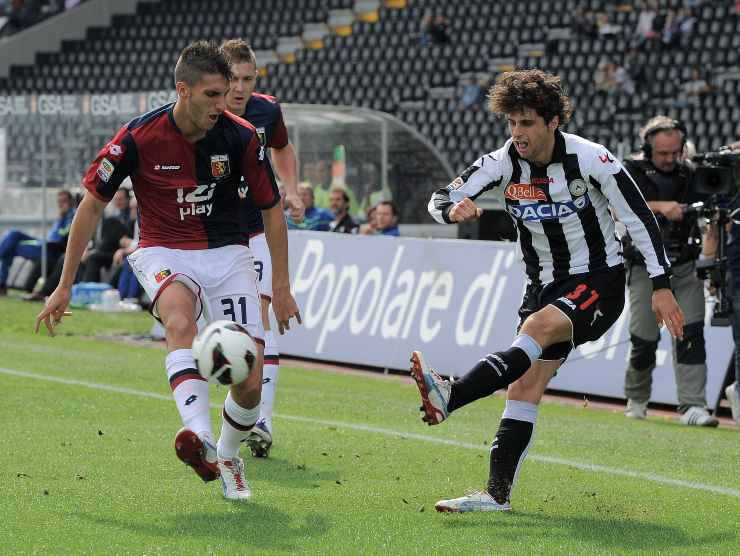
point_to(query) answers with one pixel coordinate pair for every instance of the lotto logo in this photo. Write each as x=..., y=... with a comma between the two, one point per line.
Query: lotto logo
x=524, y=192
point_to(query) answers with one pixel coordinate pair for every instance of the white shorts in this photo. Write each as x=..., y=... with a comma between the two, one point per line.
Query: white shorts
x=223, y=280
x=262, y=263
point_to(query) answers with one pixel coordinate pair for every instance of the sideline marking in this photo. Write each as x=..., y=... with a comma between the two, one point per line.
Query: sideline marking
x=654, y=477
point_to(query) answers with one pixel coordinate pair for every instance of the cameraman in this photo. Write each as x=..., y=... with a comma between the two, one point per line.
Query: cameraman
x=666, y=183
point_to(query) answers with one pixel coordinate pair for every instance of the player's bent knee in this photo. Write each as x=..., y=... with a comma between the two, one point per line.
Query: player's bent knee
x=547, y=326
x=642, y=353
x=180, y=327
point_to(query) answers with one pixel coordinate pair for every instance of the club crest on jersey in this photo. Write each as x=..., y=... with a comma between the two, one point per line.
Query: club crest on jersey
x=577, y=188
x=115, y=150
x=105, y=170
x=162, y=275
x=524, y=192
x=547, y=211
x=220, y=165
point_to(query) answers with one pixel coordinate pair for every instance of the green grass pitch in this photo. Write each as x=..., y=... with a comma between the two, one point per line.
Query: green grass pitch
x=87, y=466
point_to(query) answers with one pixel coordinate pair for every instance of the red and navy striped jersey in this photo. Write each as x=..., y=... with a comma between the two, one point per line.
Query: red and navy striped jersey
x=189, y=194
x=264, y=113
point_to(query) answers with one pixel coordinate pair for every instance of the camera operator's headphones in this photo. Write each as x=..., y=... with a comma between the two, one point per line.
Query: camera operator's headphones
x=647, y=148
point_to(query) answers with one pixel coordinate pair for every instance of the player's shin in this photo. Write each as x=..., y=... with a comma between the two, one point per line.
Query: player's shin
x=269, y=378
x=190, y=391
x=237, y=422
x=510, y=447
x=494, y=372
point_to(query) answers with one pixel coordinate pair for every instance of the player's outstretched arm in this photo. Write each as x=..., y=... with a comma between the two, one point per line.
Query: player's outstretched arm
x=86, y=219
x=283, y=304
x=286, y=166
x=668, y=312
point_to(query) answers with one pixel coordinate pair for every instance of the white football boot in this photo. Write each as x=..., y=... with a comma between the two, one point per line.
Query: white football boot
x=479, y=501
x=434, y=390
x=233, y=481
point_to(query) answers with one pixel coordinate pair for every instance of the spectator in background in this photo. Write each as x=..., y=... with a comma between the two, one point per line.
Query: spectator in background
x=584, y=23
x=22, y=14
x=128, y=285
x=339, y=203
x=691, y=91
x=383, y=221
x=434, y=28
x=644, y=30
x=315, y=218
x=605, y=79
x=107, y=238
x=317, y=175
x=671, y=30
x=473, y=93
x=16, y=243
x=606, y=27
x=634, y=65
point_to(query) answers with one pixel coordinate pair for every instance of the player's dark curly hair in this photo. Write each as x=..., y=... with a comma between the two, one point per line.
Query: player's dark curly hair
x=198, y=58
x=238, y=51
x=535, y=89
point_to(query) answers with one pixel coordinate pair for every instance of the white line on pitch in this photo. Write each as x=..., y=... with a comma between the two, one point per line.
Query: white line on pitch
x=398, y=434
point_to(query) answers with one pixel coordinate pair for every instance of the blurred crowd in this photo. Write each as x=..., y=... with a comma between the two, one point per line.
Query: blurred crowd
x=17, y=15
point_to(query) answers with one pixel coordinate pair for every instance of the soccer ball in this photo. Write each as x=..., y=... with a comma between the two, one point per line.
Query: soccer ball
x=224, y=352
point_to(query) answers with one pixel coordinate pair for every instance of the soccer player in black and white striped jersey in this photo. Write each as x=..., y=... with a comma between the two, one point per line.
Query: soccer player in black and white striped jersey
x=558, y=188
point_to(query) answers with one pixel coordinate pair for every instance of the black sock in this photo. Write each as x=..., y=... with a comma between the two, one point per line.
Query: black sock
x=495, y=371
x=511, y=440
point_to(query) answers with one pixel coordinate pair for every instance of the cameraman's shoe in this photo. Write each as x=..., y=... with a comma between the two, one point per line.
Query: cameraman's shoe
x=636, y=410
x=696, y=416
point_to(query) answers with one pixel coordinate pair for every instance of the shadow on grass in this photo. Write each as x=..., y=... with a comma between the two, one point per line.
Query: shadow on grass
x=602, y=532
x=291, y=474
x=249, y=524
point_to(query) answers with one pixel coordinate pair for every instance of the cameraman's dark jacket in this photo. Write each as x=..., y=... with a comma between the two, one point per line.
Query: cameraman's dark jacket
x=666, y=186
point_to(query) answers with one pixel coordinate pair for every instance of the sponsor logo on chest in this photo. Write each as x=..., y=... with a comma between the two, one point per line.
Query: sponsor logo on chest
x=548, y=211
x=196, y=202
x=167, y=167
x=524, y=192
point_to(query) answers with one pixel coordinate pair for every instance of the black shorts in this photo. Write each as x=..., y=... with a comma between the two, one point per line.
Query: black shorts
x=592, y=301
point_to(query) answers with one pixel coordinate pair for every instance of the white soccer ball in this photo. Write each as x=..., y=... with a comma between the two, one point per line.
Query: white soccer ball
x=224, y=352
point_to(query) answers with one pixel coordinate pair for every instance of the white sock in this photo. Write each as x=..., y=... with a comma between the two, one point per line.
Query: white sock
x=190, y=391
x=269, y=378
x=237, y=422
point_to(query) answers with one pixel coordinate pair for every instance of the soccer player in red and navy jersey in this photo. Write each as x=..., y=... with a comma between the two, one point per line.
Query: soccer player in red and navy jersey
x=186, y=161
x=264, y=113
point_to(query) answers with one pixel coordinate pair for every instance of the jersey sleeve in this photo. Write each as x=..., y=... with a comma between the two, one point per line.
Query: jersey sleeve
x=115, y=162
x=644, y=184
x=485, y=173
x=615, y=183
x=279, y=135
x=257, y=172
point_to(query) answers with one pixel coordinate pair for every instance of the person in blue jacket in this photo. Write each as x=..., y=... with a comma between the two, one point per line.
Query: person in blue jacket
x=18, y=244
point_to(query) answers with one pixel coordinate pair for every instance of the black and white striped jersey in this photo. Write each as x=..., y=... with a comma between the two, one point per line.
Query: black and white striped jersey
x=562, y=211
